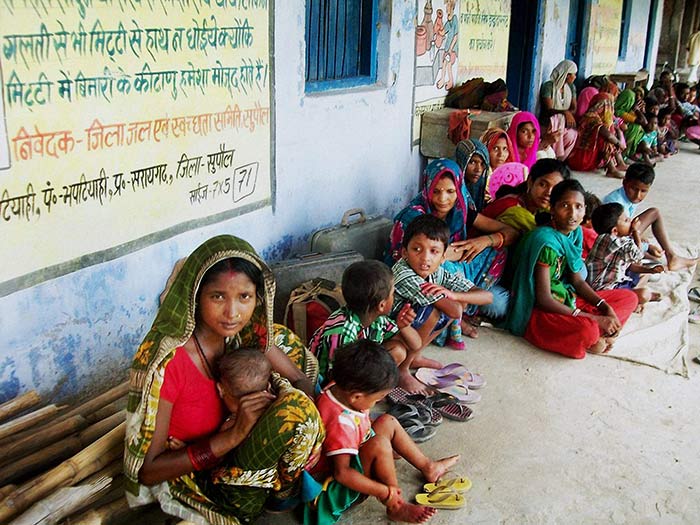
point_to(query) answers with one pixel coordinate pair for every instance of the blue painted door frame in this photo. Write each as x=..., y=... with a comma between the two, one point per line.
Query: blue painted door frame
x=577, y=35
x=524, y=52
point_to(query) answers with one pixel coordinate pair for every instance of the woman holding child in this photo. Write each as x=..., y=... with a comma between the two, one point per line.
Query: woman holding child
x=479, y=259
x=180, y=450
x=597, y=144
x=553, y=307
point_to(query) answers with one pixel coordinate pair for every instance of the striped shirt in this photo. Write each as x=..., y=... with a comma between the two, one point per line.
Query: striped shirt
x=344, y=327
x=407, y=285
x=609, y=260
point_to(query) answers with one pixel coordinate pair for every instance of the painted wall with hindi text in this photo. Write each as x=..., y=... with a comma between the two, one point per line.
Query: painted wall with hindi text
x=332, y=151
x=159, y=112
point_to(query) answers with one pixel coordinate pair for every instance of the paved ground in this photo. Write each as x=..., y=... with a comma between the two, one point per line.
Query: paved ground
x=562, y=441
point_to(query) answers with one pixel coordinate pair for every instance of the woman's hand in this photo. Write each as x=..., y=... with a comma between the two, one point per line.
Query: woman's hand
x=609, y=326
x=608, y=322
x=471, y=247
x=570, y=120
x=405, y=317
x=453, y=252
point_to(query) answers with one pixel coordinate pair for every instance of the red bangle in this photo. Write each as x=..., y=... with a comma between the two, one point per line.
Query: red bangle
x=201, y=455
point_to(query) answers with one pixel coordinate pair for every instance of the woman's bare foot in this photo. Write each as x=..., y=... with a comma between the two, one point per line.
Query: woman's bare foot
x=412, y=385
x=599, y=347
x=434, y=470
x=425, y=362
x=609, y=342
x=676, y=262
x=409, y=512
x=615, y=174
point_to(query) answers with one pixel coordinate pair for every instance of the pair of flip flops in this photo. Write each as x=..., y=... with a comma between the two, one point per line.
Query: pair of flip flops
x=419, y=422
x=454, y=380
x=445, y=493
x=442, y=404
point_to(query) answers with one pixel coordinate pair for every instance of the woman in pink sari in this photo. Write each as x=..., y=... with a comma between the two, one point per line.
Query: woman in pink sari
x=524, y=134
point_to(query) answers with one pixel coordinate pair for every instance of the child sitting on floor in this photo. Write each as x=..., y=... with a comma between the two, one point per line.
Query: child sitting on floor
x=368, y=290
x=435, y=294
x=615, y=259
x=357, y=456
x=651, y=139
x=638, y=180
x=647, y=150
x=589, y=233
x=667, y=136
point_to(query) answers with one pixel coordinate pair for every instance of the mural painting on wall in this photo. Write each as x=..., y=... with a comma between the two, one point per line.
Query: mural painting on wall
x=606, y=18
x=124, y=120
x=456, y=41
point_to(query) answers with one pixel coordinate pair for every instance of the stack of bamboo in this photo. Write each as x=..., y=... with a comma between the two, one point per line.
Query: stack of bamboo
x=56, y=462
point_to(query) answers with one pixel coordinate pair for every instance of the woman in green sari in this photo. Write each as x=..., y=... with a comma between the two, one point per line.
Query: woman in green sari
x=631, y=111
x=221, y=299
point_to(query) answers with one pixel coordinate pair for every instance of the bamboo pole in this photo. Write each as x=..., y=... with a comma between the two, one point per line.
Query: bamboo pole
x=86, y=462
x=109, y=514
x=113, y=470
x=62, y=503
x=98, y=402
x=40, y=438
x=19, y=404
x=58, y=451
x=28, y=420
x=30, y=435
x=6, y=491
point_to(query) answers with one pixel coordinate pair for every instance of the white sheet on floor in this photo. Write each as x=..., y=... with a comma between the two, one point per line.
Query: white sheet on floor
x=658, y=336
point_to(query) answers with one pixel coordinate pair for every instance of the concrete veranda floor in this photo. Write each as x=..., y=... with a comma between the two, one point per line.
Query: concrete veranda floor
x=560, y=441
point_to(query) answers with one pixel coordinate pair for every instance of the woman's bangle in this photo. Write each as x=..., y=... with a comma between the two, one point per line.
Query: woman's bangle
x=575, y=312
x=602, y=301
x=491, y=241
x=201, y=455
x=501, y=239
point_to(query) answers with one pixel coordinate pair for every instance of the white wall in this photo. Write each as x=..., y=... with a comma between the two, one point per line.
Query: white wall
x=333, y=151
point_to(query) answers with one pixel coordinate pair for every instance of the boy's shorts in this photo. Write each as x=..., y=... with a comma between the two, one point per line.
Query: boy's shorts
x=631, y=282
x=422, y=315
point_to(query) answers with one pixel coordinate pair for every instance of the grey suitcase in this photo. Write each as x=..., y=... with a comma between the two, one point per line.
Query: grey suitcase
x=367, y=235
x=291, y=273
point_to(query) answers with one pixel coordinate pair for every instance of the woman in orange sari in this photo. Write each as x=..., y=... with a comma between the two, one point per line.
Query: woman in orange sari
x=597, y=145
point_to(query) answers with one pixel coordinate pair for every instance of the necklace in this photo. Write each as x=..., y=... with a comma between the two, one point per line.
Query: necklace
x=203, y=357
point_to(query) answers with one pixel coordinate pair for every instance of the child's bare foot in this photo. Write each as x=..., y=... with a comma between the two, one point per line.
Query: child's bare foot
x=410, y=512
x=412, y=385
x=676, y=262
x=434, y=470
x=469, y=329
x=425, y=362
x=599, y=347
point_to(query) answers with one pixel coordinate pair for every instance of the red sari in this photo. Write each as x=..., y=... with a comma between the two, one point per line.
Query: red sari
x=592, y=150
